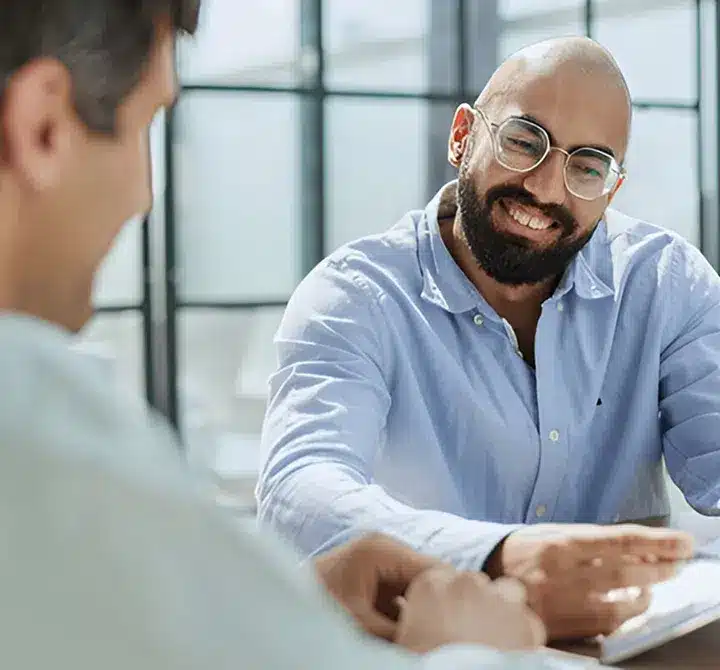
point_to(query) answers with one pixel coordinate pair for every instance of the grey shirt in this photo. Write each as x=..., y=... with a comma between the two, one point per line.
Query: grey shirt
x=114, y=556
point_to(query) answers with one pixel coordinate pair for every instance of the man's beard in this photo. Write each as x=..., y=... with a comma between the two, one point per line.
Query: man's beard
x=512, y=259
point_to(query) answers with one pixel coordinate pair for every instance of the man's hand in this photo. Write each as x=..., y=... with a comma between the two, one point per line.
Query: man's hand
x=367, y=576
x=443, y=607
x=587, y=580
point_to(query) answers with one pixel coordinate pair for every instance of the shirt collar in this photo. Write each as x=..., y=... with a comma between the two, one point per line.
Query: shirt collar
x=585, y=274
x=444, y=283
x=447, y=286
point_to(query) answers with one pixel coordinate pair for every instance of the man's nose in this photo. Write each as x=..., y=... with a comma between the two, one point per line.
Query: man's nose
x=547, y=181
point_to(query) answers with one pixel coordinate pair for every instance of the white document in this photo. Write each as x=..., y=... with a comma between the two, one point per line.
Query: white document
x=688, y=601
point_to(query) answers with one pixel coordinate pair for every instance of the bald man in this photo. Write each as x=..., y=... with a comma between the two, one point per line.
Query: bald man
x=499, y=376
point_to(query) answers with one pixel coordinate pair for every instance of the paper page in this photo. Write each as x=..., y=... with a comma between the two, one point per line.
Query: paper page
x=712, y=547
x=689, y=600
x=696, y=586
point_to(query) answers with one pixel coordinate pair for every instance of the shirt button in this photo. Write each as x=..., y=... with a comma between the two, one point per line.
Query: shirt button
x=560, y=307
x=478, y=320
x=554, y=436
x=540, y=511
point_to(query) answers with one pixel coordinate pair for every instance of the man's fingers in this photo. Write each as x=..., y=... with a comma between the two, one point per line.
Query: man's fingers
x=538, y=629
x=663, y=543
x=614, y=543
x=511, y=590
x=613, y=575
x=514, y=591
x=376, y=624
x=597, y=616
x=571, y=589
x=611, y=614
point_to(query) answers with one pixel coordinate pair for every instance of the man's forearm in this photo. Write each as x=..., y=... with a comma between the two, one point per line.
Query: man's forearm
x=320, y=506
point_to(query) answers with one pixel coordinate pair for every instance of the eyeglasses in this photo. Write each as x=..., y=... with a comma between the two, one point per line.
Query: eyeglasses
x=521, y=146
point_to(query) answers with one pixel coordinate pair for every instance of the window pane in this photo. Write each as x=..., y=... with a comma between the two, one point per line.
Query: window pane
x=709, y=147
x=519, y=9
x=244, y=43
x=378, y=162
x=225, y=360
x=369, y=47
x=116, y=341
x=654, y=45
x=662, y=158
x=525, y=22
x=237, y=196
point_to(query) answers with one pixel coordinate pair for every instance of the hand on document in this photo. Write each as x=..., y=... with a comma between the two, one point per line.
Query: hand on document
x=421, y=603
x=587, y=580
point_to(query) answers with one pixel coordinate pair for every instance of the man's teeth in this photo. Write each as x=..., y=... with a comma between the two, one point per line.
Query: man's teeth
x=528, y=220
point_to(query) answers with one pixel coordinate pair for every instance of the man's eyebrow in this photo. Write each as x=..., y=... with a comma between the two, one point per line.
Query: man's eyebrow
x=597, y=147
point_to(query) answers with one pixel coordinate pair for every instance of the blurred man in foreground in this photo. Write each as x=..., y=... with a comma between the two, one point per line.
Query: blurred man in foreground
x=112, y=557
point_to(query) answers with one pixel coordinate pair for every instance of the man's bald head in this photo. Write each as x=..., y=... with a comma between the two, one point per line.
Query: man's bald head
x=563, y=59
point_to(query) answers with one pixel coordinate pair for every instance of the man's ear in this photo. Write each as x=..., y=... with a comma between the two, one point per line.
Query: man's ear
x=616, y=188
x=459, y=133
x=36, y=117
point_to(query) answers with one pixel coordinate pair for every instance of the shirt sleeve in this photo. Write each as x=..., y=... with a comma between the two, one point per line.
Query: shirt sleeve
x=329, y=401
x=113, y=557
x=100, y=572
x=465, y=657
x=690, y=379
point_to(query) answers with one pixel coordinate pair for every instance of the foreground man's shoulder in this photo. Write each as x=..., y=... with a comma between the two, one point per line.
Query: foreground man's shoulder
x=59, y=402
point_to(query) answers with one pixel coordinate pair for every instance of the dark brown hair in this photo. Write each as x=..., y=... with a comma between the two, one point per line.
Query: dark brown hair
x=104, y=44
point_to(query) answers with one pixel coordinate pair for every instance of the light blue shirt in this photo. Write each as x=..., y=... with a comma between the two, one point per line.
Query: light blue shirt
x=401, y=402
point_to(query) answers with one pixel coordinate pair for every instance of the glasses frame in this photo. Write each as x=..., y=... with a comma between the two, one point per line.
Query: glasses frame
x=494, y=130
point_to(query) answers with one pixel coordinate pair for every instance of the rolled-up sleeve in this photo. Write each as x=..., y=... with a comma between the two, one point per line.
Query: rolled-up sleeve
x=329, y=402
x=690, y=380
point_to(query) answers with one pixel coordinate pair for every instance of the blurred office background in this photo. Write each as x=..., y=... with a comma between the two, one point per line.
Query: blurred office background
x=303, y=124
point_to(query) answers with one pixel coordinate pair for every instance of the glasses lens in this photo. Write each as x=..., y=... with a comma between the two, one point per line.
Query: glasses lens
x=520, y=145
x=591, y=174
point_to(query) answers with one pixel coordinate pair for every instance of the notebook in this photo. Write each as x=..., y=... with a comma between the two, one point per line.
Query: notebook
x=688, y=601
